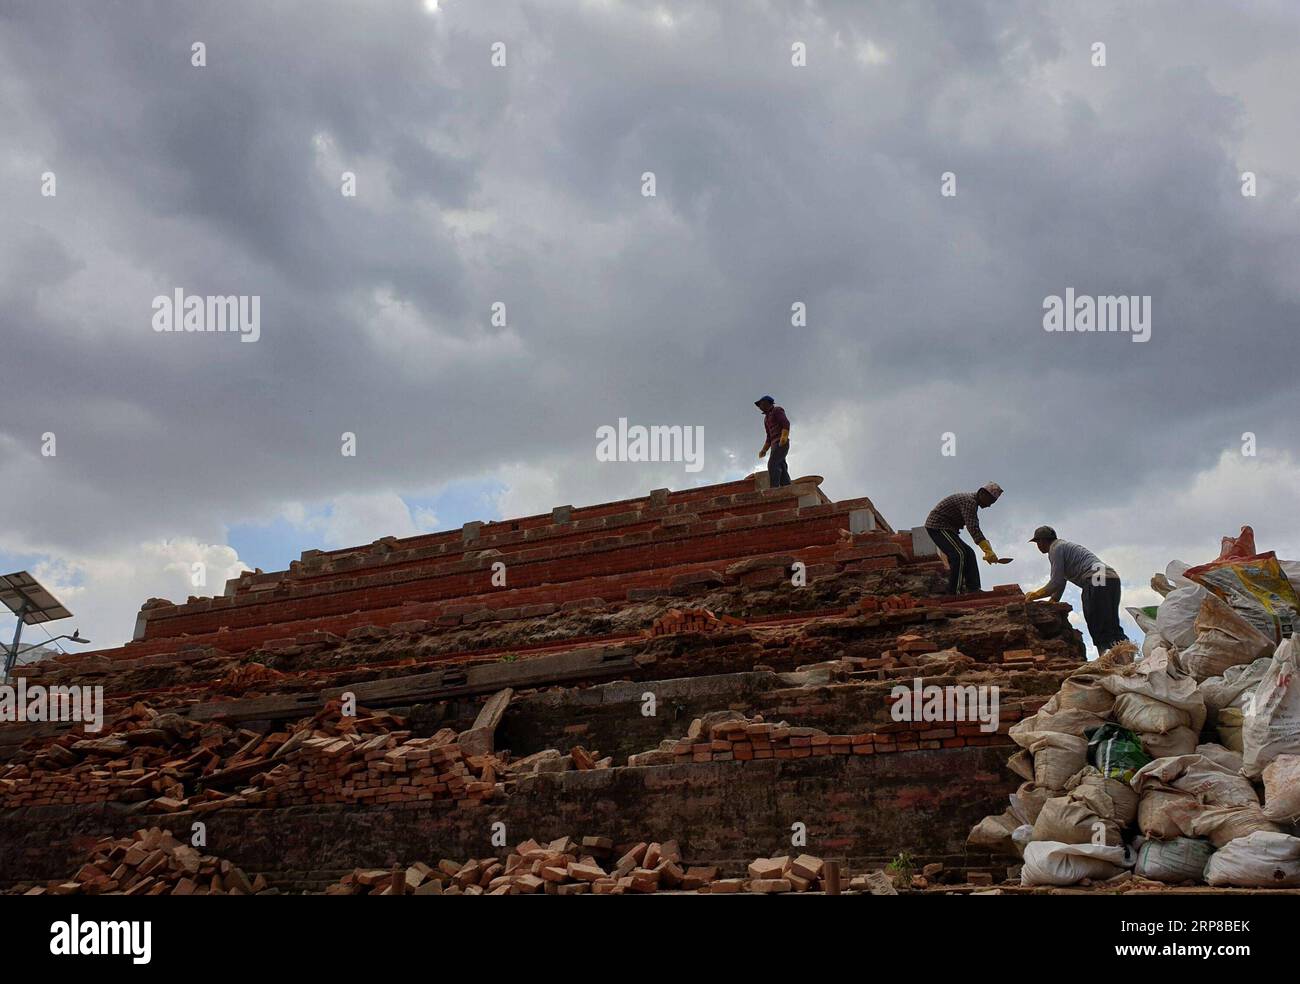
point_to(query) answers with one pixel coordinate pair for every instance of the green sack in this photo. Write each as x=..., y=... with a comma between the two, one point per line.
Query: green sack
x=1115, y=752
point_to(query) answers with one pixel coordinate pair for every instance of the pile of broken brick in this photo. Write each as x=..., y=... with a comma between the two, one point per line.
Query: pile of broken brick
x=591, y=865
x=153, y=862
x=175, y=764
x=144, y=756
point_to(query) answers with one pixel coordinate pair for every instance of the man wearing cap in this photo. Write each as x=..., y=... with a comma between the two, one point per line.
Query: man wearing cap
x=1098, y=582
x=777, y=426
x=944, y=524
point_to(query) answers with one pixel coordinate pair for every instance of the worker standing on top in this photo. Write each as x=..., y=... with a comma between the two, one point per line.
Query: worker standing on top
x=944, y=524
x=777, y=426
x=1097, y=581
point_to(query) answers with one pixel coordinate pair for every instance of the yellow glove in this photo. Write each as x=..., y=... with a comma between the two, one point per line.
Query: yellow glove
x=1034, y=595
x=763, y=453
x=785, y=438
x=989, y=556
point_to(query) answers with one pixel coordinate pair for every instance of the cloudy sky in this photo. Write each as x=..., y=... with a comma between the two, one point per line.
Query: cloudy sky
x=521, y=184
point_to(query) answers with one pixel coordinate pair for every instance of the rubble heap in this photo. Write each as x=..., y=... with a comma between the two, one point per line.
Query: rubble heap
x=153, y=862
x=567, y=866
x=474, y=698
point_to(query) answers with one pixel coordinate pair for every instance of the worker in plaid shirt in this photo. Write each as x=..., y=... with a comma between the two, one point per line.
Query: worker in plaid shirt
x=945, y=523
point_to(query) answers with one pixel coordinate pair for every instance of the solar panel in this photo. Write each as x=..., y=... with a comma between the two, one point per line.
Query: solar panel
x=21, y=592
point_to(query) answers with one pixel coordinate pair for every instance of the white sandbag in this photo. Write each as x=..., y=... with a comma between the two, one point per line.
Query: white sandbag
x=1056, y=758
x=1229, y=726
x=1084, y=692
x=1220, y=755
x=1054, y=863
x=1144, y=714
x=1151, y=637
x=1274, y=727
x=1110, y=799
x=1172, y=861
x=1222, y=824
x=1180, y=741
x=1158, y=677
x=1282, y=789
x=1176, y=616
x=1223, y=639
x=1258, y=860
x=1153, y=641
x=1073, y=821
x=1022, y=835
x=1235, y=686
x=1027, y=801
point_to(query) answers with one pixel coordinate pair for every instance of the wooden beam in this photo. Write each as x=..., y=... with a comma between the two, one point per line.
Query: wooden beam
x=588, y=663
x=479, y=739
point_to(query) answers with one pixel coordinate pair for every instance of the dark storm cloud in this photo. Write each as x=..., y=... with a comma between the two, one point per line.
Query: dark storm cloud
x=478, y=184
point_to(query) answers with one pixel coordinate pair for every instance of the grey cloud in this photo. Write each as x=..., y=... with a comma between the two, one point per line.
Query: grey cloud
x=775, y=184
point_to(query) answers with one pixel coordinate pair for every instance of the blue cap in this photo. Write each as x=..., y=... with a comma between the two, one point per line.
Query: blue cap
x=762, y=398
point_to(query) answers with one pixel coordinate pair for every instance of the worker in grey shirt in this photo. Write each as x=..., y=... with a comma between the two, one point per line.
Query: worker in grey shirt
x=1098, y=582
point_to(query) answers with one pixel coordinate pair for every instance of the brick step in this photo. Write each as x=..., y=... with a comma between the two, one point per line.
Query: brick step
x=697, y=547
x=242, y=639
x=511, y=548
x=656, y=504
x=456, y=563
x=393, y=554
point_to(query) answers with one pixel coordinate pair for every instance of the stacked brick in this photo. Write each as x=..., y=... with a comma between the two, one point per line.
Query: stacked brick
x=742, y=739
x=153, y=862
x=874, y=604
x=692, y=620
x=383, y=768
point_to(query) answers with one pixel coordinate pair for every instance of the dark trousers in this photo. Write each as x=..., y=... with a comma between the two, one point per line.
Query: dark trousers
x=963, y=575
x=1101, y=612
x=777, y=473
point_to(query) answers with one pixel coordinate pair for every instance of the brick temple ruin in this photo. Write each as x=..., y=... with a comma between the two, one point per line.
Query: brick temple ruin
x=711, y=667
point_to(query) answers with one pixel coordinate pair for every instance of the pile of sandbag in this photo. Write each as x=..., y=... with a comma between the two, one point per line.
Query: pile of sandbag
x=1159, y=703
x=1070, y=814
x=1182, y=764
x=1197, y=796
